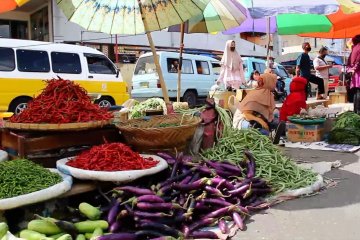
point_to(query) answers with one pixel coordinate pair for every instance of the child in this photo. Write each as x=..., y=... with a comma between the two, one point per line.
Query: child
x=296, y=99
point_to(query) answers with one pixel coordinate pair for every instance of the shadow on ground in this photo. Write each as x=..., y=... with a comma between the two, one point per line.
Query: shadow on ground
x=346, y=192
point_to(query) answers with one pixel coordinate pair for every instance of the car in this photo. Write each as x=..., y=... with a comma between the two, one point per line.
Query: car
x=334, y=77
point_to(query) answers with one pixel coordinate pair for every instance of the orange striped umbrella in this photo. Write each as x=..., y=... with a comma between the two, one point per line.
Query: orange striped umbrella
x=8, y=5
x=343, y=26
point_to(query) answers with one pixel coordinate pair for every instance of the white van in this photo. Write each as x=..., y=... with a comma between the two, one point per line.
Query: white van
x=24, y=65
x=199, y=73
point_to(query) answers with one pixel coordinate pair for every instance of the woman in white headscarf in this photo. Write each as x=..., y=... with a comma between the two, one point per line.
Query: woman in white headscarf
x=232, y=71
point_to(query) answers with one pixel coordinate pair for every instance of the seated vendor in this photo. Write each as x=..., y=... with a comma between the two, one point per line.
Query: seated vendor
x=257, y=108
x=296, y=99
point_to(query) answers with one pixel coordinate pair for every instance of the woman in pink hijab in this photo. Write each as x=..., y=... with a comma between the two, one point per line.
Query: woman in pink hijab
x=354, y=68
x=232, y=71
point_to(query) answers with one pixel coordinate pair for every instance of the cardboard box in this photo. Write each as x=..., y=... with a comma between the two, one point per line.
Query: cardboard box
x=305, y=133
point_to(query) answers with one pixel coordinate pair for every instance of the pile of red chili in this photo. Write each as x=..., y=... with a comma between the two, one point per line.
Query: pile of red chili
x=111, y=157
x=62, y=101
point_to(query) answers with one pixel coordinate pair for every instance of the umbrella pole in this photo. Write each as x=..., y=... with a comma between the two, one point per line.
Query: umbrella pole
x=156, y=58
x=182, y=33
x=269, y=40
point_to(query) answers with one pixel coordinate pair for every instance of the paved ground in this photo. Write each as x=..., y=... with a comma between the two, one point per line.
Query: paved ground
x=332, y=215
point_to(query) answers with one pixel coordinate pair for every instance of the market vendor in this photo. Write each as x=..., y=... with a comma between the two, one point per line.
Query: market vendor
x=232, y=70
x=296, y=99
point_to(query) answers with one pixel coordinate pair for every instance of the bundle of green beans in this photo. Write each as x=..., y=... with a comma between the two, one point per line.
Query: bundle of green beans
x=280, y=171
x=19, y=177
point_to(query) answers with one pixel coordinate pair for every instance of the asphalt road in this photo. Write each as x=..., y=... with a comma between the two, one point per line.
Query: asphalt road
x=334, y=214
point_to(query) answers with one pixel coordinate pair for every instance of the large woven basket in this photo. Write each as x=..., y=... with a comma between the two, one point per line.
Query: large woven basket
x=147, y=135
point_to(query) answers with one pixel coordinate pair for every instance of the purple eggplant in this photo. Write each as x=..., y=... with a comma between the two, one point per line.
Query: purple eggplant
x=240, y=190
x=224, y=167
x=223, y=226
x=170, y=159
x=230, y=167
x=150, y=199
x=260, y=191
x=204, y=234
x=201, y=223
x=238, y=221
x=161, y=228
x=111, y=217
x=135, y=190
x=192, y=186
x=164, y=238
x=214, y=191
x=176, y=178
x=129, y=210
x=141, y=214
x=115, y=227
x=251, y=165
x=220, y=212
x=186, y=180
x=122, y=214
x=164, y=190
x=117, y=236
x=191, y=208
x=157, y=206
x=145, y=234
x=176, y=165
x=219, y=182
x=216, y=201
x=205, y=170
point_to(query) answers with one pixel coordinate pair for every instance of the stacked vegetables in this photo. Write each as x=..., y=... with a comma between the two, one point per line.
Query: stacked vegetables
x=111, y=157
x=272, y=165
x=194, y=195
x=346, y=129
x=62, y=101
x=19, y=177
x=140, y=109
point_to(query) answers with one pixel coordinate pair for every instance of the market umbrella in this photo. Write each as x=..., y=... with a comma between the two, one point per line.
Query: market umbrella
x=266, y=8
x=350, y=6
x=132, y=17
x=219, y=15
x=8, y=5
x=342, y=26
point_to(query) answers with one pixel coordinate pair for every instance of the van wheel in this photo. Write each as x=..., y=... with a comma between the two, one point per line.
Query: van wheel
x=191, y=98
x=18, y=105
x=105, y=102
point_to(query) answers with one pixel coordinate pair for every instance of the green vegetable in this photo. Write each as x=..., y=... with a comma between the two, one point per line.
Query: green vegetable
x=97, y=233
x=89, y=211
x=346, y=129
x=80, y=237
x=32, y=235
x=3, y=229
x=56, y=236
x=280, y=171
x=44, y=227
x=140, y=109
x=65, y=237
x=90, y=226
x=19, y=177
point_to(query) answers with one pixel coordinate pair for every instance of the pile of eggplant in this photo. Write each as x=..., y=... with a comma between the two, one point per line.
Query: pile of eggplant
x=195, y=194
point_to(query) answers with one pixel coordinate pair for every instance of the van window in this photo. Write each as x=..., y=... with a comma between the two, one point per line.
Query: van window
x=187, y=67
x=32, y=61
x=145, y=65
x=282, y=72
x=65, y=63
x=216, y=68
x=202, y=67
x=259, y=66
x=99, y=64
x=7, y=60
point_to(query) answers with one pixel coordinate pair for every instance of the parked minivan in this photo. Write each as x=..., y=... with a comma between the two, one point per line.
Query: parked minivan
x=25, y=64
x=251, y=64
x=199, y=73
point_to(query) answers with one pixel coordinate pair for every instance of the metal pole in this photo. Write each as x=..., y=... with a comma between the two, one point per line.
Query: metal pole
x=116, y=50
x=182, y=32
x=156, y=59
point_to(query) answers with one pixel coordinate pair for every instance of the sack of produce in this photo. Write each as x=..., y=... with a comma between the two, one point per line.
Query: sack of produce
x=23, y=182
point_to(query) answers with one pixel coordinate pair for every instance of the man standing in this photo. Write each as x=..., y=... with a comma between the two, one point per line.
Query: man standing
x=322, y=68
x=303, y=69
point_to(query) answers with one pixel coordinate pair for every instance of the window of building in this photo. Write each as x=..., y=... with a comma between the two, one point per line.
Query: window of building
x=13, y=29
x=32, y=61
x=65, y=63
x=7, y=60
x=173, y=63
x=39, y=22
x=99, y=64
x=202, y=67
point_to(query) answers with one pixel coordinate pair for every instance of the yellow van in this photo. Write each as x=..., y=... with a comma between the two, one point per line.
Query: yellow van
x=25, y=64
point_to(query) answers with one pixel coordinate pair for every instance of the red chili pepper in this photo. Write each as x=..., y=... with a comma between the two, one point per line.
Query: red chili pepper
x=62, y=101
x=111, y=157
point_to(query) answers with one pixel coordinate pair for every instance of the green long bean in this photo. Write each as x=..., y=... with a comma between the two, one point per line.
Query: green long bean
x=19, y=177
x=280, y=171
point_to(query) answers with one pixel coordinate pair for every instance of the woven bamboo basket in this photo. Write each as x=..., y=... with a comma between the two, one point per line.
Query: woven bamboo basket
x=56, y=127
x=147, y=135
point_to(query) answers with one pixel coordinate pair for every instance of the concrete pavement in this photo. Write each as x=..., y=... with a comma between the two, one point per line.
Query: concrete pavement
x=334, y=214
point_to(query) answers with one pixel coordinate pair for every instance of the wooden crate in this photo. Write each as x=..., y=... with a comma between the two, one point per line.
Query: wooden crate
x=338, y=97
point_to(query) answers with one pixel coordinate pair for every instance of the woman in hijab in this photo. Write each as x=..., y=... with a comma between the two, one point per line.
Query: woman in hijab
x=354, y=68
x=232, y=72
